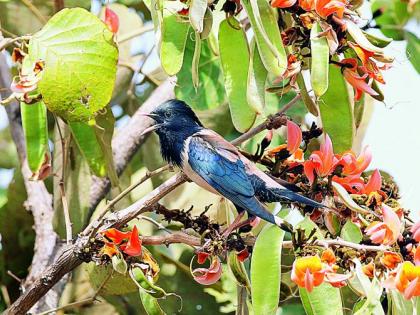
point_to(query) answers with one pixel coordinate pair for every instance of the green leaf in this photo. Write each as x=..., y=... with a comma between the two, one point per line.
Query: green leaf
x=346, y=198
x=360, y=38
x=234, y=56
x=320, y=53
x=85, y=137
x=104, y=131
x=174, y=38
x=257, y=75
x=34, y=123
x=197, y=11
x=196, y=61
x=351, y=232
x=238, y=270
x=306, y=98
x=208, y=24
x=266, y=270
x=150, y=304
x=77, y=182
x=381, y=42
x=119, y=264
x=413, y=50
x=336, y=112
x=210, y=92
x=323, y=300
x=80, y=64
x=399, y=305
x=267, y=35
x=394, y=15
x=308, y=225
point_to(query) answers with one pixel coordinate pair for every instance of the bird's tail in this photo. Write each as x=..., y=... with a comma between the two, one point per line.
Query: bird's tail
x=295, y=197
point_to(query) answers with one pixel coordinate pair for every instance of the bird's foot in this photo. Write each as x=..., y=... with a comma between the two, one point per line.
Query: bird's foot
x=284, y=225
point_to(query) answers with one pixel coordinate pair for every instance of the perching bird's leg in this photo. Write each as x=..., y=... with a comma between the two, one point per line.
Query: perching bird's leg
x=234, y=224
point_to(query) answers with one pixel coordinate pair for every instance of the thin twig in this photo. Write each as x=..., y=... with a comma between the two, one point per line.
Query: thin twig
x=35, y=11
x=137, y=32
x=96, y=223
x=67, y=219
x=10, y=41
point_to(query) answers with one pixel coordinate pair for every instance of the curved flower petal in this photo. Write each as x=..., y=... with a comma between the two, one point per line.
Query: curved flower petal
x=116, y=236
x=208, y=276
x=111, y=20
x=337, y=280
x=294, y=137
x=392, y=220
x=374, y=183
x=282, y=3
x=133, y=246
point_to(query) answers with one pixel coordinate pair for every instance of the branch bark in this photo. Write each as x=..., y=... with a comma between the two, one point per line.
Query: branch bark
x=39, y=200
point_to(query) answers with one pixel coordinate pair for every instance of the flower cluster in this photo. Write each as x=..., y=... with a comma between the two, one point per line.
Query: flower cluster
x=117, y=242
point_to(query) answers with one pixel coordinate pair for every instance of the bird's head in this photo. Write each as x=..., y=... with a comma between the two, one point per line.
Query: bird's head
x=174, y=122
x=173, y=116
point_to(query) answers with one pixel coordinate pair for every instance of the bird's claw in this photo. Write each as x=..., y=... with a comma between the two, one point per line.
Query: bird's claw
x=286, y=226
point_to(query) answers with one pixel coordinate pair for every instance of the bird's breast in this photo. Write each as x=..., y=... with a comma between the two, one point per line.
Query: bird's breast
x=192, y=175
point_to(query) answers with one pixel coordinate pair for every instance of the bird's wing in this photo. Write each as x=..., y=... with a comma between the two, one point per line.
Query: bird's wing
x=219, y=164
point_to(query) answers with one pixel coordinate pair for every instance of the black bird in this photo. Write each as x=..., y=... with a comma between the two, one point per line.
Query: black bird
x=216, y=165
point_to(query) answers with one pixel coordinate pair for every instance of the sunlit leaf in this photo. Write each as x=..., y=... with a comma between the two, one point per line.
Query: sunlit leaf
x=266, y=270
x=392, y=18
x=267, y=35
x=34, y=123
x=234, y=56
x=197, y=11
x=323, y=300
x=257, y=75
x=210, y=92
x=346, y=198
x=378, y=41
x=320, y=53
x=80, y=64
x=306, y=98
x=150, y=304
x=399, y=305
x=174, y=38
x=337, y=112
x=351, y=232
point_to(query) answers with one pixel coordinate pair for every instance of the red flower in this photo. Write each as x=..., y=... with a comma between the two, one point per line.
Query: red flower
x=307, y=5
x=129, y=242
x=243, y=255
x=353, y=165
x=208, y=276
x=133, y=246
x=325, y=8
x=386, y=232
x=322, y=162
x=111, y=20
x=358, y=82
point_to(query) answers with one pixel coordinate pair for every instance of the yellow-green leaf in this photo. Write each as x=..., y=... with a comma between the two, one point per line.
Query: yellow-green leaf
x=323, y=300
x=257, y=75
x=234, y=56
x=267, y=35
x=320, y=53
x=266, y=270
x=337, y=112
x=34, y=123
x=80, y=64
x=174, y=38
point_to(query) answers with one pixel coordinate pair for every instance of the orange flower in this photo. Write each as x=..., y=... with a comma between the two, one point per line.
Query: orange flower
x=386, y=232
x=353, y=165
x=408, y=280
x=322, y=162
x=358, y=82
x=369, y=66
x=294, y=139
x=328, y=257
x=307, y=272
x=390, y=260
x=307, y=5
x=369, y=270
x=356, y=185
x=327, y=7
x=129, y=242
x=282, y=3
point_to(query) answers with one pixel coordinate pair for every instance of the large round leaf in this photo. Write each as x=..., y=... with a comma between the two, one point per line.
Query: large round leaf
x=80, y=64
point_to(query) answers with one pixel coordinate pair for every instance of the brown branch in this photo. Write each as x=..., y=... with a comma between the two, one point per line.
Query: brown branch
x=58, y=5
x=39, y=200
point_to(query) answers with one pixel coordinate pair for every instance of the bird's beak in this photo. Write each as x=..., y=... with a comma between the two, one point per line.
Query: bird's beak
x=150, y=129
x=153, y=127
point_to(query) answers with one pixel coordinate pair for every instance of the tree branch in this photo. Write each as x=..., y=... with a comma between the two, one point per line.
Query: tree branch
x=39, y=200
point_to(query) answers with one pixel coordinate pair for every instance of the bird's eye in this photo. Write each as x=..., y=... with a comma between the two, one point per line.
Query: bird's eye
x=168, y=114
